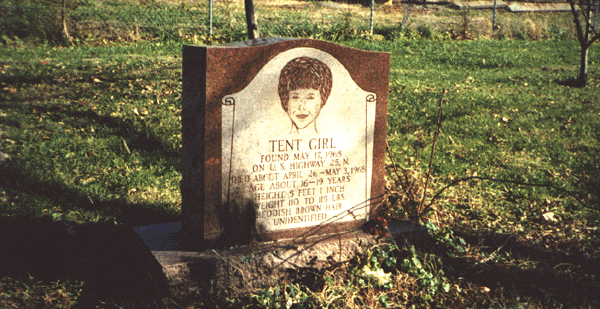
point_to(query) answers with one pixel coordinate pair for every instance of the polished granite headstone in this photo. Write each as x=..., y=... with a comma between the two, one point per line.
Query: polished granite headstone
x=282, y=139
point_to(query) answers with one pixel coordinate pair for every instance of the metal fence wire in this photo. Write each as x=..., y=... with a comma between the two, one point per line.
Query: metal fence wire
x=217, y=21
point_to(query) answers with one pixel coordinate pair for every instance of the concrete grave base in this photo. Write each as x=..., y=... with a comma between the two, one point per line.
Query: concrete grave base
x=240, y=270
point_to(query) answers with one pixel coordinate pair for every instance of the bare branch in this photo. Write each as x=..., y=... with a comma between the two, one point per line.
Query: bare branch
x=587, y=11
x=387, y=147
x=437, y=132
x=577, y=22
x=546, y=185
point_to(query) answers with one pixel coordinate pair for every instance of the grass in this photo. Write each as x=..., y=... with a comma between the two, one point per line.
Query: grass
x=33, y=294
x=504, y=105
x=94, y=118
x=93, y=132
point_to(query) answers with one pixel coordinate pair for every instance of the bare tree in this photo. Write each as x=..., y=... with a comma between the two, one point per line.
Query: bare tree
x=584, y=17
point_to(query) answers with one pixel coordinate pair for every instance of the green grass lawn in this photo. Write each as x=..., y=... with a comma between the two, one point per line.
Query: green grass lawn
x=91, y=127
x=98, y=125
x=94, y=135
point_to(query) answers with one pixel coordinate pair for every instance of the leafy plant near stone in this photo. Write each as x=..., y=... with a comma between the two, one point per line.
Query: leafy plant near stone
x=445, y=236
x=284, y=297
x=427, y=270
x=372, y=279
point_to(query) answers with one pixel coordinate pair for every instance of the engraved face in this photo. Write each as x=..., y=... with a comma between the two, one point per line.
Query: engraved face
x=304, y=106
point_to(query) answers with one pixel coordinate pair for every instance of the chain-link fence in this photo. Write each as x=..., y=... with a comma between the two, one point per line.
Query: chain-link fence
x=218, y=21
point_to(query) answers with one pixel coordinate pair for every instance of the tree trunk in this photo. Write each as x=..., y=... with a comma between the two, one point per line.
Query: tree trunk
x=582, y=78
x=583, y=37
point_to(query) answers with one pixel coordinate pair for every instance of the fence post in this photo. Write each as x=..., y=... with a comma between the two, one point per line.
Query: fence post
x=407, y=9
x=372, y=13
x=494, y=17
x=251, y=20
x=210, y=17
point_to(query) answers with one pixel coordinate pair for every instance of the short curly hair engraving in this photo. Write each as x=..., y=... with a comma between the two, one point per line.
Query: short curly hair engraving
x=304, y=73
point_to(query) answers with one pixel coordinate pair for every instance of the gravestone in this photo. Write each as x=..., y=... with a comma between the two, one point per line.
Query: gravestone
x=282, y=138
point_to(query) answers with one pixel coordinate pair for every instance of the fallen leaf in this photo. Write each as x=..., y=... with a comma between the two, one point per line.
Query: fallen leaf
x=549, y=216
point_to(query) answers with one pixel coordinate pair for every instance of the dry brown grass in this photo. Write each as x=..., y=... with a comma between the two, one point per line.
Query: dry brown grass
x=470, y=24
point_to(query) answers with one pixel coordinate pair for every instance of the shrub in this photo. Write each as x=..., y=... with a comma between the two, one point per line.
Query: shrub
x=424, y=31
x=37, y=20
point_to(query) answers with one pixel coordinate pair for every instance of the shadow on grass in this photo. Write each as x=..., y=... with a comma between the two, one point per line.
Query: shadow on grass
x=545, y=275
x=137, y=140
x=111, y=260
x=17, y=181
x=586, y=179
x=16, y=176
x=572, y=82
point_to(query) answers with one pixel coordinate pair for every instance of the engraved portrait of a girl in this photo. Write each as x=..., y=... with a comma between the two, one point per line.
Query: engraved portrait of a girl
x=304, y=87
